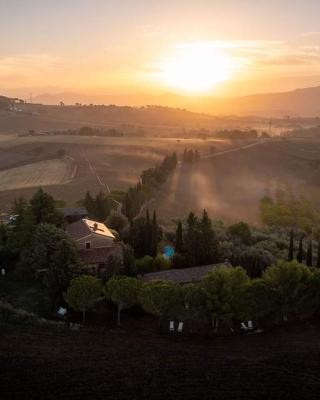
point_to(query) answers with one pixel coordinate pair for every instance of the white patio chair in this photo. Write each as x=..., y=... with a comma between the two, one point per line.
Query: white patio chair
x=171, y=326
x=180, y=327
x=250, y=324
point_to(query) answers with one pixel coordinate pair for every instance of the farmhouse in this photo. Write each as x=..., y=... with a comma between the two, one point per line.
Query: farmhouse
x=182, y=276
x=95, y=243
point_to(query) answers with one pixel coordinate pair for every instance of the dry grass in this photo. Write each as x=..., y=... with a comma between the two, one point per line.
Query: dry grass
x=42, y=173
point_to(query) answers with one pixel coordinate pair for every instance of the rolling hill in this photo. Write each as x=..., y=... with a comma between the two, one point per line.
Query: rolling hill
x=299, y=102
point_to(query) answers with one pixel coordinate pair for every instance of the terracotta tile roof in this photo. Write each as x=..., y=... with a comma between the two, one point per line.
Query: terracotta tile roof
x=185, y=275
x=78, y=230
x=98, y=228
x=85, y=227
x=100, y=255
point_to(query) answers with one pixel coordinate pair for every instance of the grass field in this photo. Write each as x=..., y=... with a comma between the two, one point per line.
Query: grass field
x=229, y=186
x=42, y=363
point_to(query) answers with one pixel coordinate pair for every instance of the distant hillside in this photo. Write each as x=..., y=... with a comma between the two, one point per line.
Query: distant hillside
x=309, y=133
x=5, y=103
x=299, y=102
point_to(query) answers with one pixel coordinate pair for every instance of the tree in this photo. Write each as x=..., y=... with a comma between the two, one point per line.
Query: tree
x=208, y=246
x=318, y=255
x=148, y=234
x=129, y=267
x=242, y=231
x=291, y=247
x=137, y=236
x=290, y=282
x=124, y=292
x=154, y=236
x=117, y=221
x=82, y=293
x=300, y=255
x=63, y=265
x=52, y=255
x=19, y=206
x=89, y=204
x=260, y=299
x=22, y=231
x=179, y=238
x=195, y=300
x=102, y=207
x=224, y=287
x=43, y=208
x=99, y=207
x=161, y=298
x=114, y=267
x=309, y=258
x=192, y=239
x=144, y=265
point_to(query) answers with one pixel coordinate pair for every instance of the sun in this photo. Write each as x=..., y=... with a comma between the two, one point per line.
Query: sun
x=196, y=68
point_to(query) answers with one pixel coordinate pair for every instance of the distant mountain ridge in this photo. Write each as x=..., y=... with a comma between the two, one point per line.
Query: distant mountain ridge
x=298, y=102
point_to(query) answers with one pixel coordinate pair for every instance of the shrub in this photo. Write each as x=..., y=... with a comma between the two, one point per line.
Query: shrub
x=161, y=263
x=144, y=265
x=16, y=316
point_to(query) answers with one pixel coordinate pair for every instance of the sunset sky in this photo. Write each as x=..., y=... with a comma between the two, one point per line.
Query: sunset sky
x=211, y=47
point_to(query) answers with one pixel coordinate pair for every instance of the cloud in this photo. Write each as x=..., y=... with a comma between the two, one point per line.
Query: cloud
x=311, y=34
x=291, y=60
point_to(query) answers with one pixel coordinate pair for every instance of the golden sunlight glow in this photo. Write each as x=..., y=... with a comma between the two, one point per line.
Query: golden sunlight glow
x=197, y=68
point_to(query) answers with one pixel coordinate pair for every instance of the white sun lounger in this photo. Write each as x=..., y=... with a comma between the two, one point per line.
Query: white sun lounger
x=180, y=327
x=244, y=326
x=171, y=326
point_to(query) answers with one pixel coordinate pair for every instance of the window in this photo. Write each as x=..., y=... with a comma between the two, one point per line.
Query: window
x=88, y=244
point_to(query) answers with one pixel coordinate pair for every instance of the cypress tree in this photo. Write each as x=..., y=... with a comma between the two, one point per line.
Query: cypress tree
x=300, y=251
x=179, y=238
x=309, y=254
x=131, y=241
x=192, y=239
x=154, y=236
x=318, y=255
x=208, y=245
x=148, y=234
x=290, y=255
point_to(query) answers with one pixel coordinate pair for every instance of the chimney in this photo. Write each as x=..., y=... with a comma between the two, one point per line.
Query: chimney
x=95, y=226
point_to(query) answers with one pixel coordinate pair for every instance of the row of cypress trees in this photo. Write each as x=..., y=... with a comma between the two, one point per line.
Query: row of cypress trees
x=301, y=255
x=151, y=179
x=145, y=235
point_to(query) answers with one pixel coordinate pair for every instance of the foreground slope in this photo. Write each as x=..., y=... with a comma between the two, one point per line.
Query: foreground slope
x=38, y=363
